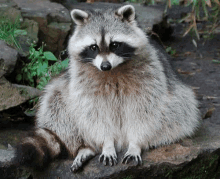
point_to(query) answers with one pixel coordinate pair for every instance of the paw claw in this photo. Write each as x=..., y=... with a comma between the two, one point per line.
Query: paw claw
x=108, y=159
x=129, y=157
x=105, y=160
x=101, y=157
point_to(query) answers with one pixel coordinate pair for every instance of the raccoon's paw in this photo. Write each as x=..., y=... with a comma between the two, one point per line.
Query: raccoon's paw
x=77, y=164
x=108, y=158
x=83, y=156
x=132, y=155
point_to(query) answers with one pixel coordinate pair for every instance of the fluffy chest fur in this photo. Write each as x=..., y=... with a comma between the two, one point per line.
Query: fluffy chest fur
x=108, y=103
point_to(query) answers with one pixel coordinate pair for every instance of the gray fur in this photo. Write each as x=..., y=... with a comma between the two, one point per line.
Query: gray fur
x=136, y=105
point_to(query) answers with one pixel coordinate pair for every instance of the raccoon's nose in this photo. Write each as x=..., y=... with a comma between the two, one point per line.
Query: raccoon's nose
x=105, y=66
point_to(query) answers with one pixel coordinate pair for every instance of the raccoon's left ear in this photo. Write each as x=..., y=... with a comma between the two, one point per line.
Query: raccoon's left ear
x=126, y=12
x=79, y=17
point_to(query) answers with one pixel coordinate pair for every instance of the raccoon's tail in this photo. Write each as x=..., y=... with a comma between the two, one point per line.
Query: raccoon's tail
x=39, y=149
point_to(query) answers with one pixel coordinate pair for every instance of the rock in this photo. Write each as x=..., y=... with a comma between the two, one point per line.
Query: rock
x=13, y=95
x=12, y=13
x=186, y=155
x=8, y=58
x=6, y=155
x=160, y=162
x=28, y=90
x=5, y=4
x=32, y=29
x=46, y=13
x=9, y=96
x=56, y=36
x=29, y=27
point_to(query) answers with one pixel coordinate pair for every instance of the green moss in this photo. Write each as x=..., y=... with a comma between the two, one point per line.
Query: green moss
x=206, y=167
x=129, y=177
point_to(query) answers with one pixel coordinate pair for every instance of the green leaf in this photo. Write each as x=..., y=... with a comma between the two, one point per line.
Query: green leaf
x=59, y=66
x=205, y=8
x=43, y=68
x=50, y=56
x=215, y=61
x=65, y=63
x=40, y=87
x=45, y=65
x=18, y=32
x=44, y=80
x=36, y=54
x=38, y=71
x=168, y=49
x=33, y=73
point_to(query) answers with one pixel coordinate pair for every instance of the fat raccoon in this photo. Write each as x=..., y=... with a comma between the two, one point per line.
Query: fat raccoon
x=119, y=93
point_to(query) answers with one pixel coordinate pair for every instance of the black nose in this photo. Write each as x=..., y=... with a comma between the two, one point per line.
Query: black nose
x=105, y=66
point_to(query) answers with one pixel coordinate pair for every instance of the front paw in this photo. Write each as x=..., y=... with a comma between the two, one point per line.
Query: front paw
x=77, y=164
x=82, y=156
x=128, y=157
x=108, y=158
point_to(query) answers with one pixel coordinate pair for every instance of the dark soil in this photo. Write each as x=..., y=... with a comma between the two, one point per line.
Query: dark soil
x=197, y=68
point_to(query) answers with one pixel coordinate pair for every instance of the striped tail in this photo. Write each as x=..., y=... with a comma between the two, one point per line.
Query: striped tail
x=39, y=149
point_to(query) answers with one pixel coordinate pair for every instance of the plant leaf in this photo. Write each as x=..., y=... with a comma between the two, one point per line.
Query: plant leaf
x=65, y=63
x=18, y=32
x=215, y=61
x=36, y=54
x=50, y=56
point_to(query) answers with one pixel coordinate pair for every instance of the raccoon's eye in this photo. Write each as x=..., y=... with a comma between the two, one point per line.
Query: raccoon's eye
x=114, y=45
x=94, y=47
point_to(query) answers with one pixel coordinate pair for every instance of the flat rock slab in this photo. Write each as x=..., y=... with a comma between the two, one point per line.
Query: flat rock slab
x=174, y=154
x=12, y=95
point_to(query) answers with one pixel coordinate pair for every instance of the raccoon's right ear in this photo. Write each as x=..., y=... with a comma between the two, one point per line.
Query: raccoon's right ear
x=126, y=12
x=79, y=17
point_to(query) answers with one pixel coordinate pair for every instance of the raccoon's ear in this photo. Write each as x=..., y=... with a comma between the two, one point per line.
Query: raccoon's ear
x=126, y=12
x=79, y=17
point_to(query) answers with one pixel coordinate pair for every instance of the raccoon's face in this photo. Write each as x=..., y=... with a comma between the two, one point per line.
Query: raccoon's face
x=106, y=39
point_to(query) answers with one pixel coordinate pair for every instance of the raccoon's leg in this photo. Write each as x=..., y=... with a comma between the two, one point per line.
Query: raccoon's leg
x=83, y=155
x=133, y=153
x=108, y=155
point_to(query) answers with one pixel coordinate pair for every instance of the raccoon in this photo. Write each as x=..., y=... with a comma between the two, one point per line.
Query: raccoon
x=119, y=93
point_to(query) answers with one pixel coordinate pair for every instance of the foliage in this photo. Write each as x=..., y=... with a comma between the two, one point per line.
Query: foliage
x=210, y=9
x=9, y=30
x=216, y=61
x=170, y=51
x=199, y=6
x=39, y=71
